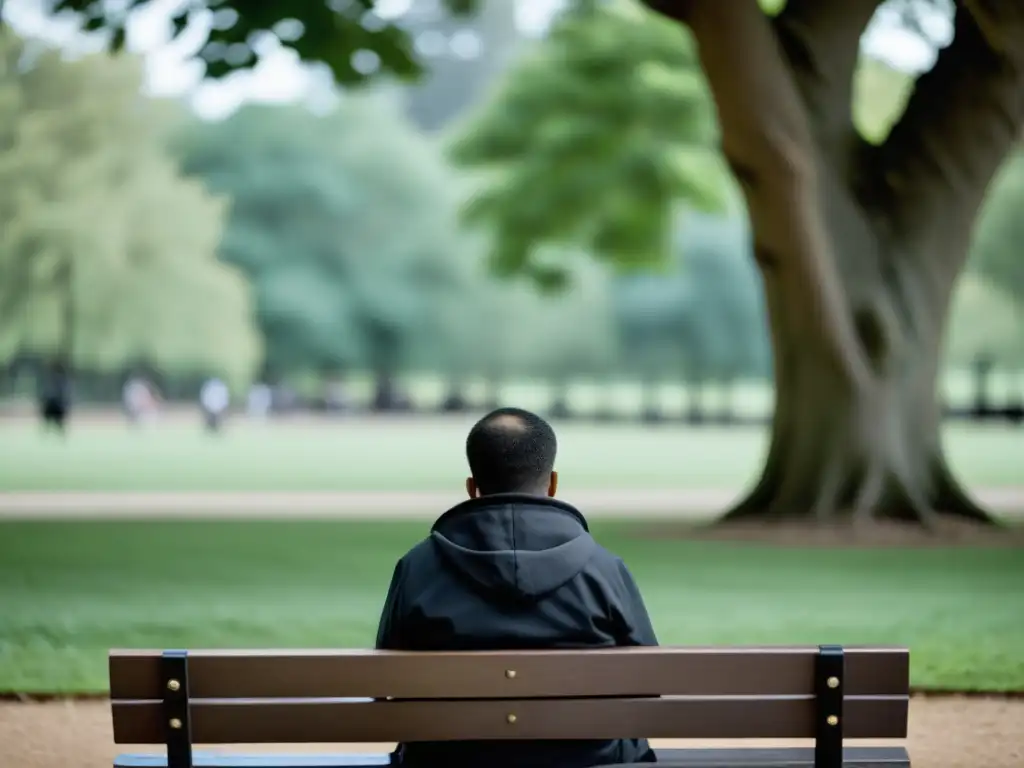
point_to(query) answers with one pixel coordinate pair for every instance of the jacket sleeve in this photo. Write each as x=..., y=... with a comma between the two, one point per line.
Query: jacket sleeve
x=389, y=631
x=634, y=624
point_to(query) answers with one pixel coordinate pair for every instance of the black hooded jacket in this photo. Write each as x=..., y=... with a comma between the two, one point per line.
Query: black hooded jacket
x=512, y=572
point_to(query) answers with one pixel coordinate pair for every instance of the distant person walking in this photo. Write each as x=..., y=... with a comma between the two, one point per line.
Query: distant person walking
x=336, y=397
x=139, y=400
x=55, y=397
x=214, y=399
x=261, y=399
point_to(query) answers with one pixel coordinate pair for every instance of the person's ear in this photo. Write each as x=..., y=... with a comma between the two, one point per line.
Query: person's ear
x=471, y=488
x=553, y=484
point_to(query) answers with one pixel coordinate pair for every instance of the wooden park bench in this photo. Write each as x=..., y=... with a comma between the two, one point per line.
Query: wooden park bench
x=828, y=696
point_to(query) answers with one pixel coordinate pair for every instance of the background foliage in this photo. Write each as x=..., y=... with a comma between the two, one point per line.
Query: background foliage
x=369, y=236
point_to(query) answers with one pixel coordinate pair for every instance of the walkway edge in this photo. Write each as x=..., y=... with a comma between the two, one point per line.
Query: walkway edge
x=693, y=504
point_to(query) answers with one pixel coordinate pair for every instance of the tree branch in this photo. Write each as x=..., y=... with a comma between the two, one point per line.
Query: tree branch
x=761, y=113
x=821, y=41
x=767, y=140
x=961, y=121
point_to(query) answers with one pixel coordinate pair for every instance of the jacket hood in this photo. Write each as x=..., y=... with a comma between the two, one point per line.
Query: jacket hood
x=514, y=546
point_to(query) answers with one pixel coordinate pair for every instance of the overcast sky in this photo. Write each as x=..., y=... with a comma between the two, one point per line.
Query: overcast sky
x=279, y=77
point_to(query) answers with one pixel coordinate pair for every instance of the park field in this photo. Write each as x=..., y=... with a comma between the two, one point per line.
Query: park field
x=414, y=454
x=72, y=590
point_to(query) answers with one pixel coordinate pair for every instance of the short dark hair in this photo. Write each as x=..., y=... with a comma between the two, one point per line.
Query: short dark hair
x=511, y=451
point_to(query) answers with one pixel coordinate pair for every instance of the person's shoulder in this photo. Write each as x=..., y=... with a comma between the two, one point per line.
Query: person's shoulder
x=605, y=561
x=420, y=555
x=604, y=555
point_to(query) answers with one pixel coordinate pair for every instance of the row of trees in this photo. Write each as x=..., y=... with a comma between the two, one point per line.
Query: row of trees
x=279, y=242
x=326, y=243
x=347, y=227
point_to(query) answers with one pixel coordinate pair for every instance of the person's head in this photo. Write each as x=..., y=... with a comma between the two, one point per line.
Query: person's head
x=511, y=451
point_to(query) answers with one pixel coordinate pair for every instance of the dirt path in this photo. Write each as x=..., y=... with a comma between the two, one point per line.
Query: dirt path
x=695, y=504
x=944, y=733
x=318, y=504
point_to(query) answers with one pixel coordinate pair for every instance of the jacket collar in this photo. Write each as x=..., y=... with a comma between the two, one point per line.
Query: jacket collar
x=469, y=506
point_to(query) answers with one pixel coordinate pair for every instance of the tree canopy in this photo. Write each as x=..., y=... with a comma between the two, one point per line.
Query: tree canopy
x=345, y=225
x=346, y=35
x=353, y=38
x=592, y=141
x=107, y=253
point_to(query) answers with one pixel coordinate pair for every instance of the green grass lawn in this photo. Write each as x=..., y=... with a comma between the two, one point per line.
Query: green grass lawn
x=71, y=591
x=411, y=454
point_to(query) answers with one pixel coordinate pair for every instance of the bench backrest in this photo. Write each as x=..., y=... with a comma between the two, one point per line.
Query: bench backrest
x=323, y=696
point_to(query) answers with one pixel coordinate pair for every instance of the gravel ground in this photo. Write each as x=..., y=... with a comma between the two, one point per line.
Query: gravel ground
x=946, y=732
x=313, y=504
x=692, y=504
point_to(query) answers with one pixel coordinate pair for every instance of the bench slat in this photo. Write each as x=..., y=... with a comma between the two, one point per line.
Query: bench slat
x=785, y=757
x=609, y=672
x=207, y=760
x=234, y=721
x=798, y=757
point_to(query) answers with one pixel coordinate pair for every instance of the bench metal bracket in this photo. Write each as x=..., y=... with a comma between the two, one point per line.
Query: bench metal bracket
x=177, y=720
x=828, y=686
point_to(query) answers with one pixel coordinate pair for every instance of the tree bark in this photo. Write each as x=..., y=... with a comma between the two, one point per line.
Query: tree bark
x=859, y=246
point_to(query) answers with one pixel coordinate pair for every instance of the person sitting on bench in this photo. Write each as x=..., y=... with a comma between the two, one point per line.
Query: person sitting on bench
x=513, y=568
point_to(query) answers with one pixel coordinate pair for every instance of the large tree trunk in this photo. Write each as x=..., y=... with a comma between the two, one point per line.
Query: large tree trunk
x=859, y=246
x=860, y=447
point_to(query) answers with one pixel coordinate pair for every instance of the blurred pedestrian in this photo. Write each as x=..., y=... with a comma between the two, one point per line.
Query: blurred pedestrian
x=214, y=399
x=260, y=400
x=336, y=397
x=139, y=399
x=55, y=397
